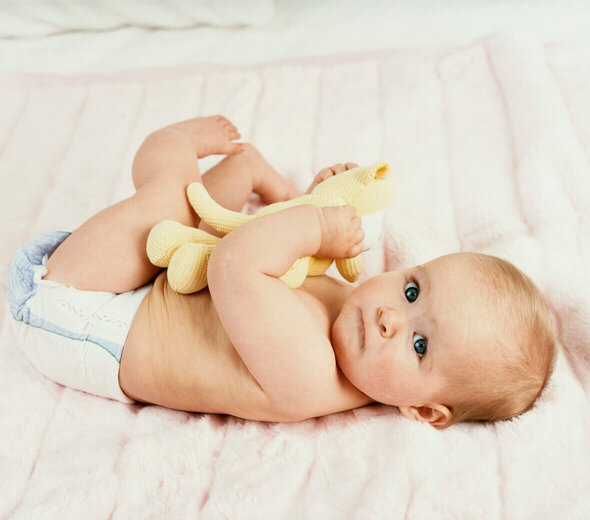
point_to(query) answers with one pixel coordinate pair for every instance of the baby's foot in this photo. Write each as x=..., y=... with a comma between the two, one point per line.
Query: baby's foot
x=267, y=182
x=211, y=135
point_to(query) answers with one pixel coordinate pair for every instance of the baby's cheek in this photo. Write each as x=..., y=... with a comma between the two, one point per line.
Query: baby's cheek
x=385, y=380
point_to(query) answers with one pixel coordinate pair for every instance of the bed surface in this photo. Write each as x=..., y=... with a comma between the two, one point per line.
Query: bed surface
x=489, y=142
x=123, y=37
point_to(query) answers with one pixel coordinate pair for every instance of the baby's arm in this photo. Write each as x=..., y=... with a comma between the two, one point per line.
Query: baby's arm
x=275, y=334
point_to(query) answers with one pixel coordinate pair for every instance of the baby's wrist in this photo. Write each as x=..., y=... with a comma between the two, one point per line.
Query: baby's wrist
x=323, y=227
x=312, y=227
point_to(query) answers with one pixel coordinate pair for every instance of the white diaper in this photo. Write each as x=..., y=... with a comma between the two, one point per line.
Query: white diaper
x=71, y=336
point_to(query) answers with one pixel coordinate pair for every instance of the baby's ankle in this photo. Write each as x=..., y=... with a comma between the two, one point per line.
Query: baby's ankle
x=210, y=135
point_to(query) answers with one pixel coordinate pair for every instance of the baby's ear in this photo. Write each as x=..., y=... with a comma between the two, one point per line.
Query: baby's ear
x=438, y=415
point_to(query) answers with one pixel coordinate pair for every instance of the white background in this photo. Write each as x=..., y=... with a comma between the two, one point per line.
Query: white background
x=297, y=29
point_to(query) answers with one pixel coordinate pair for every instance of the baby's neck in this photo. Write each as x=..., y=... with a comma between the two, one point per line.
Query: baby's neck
x=330, y=292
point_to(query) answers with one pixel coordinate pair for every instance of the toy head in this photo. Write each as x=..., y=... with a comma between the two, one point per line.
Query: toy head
x=368, y=188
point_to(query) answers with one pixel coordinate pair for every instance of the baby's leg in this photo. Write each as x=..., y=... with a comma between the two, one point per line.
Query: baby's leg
x=108, y=252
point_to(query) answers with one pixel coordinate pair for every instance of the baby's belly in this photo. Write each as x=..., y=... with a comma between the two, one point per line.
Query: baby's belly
x=178, y=355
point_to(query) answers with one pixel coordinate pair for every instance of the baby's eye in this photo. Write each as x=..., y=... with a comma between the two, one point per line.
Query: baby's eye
x=419, y=345
x=412, y=289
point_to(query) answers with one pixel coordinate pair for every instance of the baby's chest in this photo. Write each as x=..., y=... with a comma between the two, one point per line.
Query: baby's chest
x=205, y=367
x=222, y=382
x=221, y=379
x=178, y=355
x=194, y=366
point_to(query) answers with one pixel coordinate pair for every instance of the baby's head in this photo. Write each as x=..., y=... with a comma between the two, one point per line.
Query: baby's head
x=464, y=337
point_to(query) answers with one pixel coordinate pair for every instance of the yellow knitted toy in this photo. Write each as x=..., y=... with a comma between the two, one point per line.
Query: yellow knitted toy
x=185, y=250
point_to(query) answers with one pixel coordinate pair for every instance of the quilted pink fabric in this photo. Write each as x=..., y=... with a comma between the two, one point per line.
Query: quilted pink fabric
x=490, y=146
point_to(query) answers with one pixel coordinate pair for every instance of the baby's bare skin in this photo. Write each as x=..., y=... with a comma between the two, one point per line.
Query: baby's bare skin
x=178, y=355
x=385, y=347
x=165, y=164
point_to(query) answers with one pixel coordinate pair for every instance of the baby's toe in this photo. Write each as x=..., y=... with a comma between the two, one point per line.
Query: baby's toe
x=226, y=122
x=233, y=148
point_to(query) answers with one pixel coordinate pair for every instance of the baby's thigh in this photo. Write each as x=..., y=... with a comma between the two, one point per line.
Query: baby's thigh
x=108, y=251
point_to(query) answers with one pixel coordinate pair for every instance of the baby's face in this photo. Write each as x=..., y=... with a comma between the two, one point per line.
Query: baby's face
x=418, y=322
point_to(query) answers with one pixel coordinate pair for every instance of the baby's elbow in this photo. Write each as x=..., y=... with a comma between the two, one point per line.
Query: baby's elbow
x=289, y=411
x=299, y=411
x=293, y=417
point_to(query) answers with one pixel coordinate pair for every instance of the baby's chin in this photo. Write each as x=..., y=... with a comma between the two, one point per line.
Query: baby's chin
x=344, y=339
x=339, y=328
x=336, y=336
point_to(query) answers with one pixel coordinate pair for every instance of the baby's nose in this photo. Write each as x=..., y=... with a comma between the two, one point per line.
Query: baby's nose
x=390, y=320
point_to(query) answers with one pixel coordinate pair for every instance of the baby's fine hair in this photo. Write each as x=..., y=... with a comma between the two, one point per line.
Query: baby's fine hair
x=509, y=383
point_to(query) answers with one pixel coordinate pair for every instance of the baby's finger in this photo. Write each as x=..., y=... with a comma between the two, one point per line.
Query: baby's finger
x=324, y=173
x=338, y=168
x=351, y=165
x=357, y=250
x=352, y=211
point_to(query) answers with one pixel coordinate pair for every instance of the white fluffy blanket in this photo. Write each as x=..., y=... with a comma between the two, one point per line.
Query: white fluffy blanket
x=490, y=146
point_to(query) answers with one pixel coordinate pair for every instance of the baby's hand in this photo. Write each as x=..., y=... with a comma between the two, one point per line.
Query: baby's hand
x=328, y=172
x=342, y=233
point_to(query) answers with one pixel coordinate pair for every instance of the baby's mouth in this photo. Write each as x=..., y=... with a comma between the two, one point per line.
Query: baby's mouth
x=362, y=322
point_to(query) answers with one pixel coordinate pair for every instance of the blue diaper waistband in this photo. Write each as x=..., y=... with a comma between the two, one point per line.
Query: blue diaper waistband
x=21, y=285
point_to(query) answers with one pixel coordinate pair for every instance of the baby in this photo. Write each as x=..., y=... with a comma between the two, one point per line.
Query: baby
x=463, y=337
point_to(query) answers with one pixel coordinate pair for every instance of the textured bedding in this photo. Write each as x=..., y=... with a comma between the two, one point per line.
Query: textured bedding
x=46, y=17
x=490, y=146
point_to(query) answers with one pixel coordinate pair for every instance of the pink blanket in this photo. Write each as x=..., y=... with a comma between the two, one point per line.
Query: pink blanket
x=490, y=145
